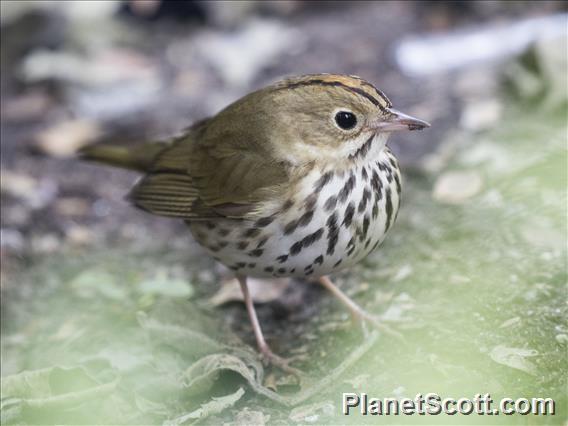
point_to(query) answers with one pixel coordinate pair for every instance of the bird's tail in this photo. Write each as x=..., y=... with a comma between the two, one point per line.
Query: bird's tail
x=140, y=157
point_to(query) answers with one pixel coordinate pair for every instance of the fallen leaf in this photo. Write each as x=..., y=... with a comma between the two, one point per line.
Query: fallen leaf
x=65, y=138
x=456, y=187
x=510, y=322
x=514, y=358
x=261, y=290
x=215, y=406
x=53, y=388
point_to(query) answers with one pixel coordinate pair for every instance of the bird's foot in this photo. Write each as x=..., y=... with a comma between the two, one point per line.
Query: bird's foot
x=363, y=317
x=283, y=364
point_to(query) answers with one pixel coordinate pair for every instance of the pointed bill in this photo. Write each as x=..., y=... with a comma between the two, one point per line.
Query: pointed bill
x=398, y=121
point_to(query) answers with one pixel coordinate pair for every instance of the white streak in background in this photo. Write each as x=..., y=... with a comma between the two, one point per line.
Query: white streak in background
x=439, y=53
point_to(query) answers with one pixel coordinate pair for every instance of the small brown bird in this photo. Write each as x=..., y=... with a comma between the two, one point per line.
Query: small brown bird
x=293, y=180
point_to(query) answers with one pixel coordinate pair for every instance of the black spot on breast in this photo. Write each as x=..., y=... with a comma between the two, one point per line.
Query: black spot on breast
x=332, y=233
x=336, y=264
x=240, y=265
x=348, y=217
x=286, y=206
x=388, y=208
x=330, y=203
x=269, y=269
x=264, y=221
x=281, y=270
x=256, y=253
x=223, y=232
x=347, y=188
x=223, y=244
x=282, y=258
x=304, y=220
x=367, y=243
x=375, y=210
x=392, y=160
x=376, y=182
x=262, y=242
x=290, y=227
x=364, y=200
x=292, y=270
x=351, y=242
x=364, y=174
x=318, y=260
x=350, y=246
x=242, y=245
x=305, y=242
x=310, y=266
x=323, y=181
x=398, y=185
x=210, y=225
x=311, y=201
x=251, y=265
x=251, y=233
x=363, y=149
x=366, y=222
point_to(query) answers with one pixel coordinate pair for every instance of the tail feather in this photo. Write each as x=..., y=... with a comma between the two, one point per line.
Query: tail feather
x=140, y=158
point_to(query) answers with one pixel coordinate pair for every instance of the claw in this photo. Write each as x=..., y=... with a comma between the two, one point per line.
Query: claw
x=270, y=357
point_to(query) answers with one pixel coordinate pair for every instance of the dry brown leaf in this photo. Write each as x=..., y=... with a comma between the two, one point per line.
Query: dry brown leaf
x=261, y=290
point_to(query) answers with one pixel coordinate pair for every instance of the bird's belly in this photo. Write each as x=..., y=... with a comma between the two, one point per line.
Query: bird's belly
x=328, y=224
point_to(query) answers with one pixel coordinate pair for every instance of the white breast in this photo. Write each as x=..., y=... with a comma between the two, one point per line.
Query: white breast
x=333, y=221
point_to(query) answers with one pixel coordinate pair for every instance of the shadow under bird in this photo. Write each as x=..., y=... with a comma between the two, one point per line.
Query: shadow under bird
x=293, y=180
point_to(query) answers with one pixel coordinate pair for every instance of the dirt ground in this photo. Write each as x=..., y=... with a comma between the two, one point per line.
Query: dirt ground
x=126, y=74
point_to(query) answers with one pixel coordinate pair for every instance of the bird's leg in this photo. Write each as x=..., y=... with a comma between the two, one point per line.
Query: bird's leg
x=357, y=311
x=263, y=347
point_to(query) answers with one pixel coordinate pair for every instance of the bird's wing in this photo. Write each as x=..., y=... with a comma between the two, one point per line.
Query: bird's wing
x=195, y=180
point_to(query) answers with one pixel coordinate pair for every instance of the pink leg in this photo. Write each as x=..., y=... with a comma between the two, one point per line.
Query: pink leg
x=261, y=343
x=356, y=311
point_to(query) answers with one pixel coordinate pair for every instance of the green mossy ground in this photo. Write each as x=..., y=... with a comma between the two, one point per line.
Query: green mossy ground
x=478, y=290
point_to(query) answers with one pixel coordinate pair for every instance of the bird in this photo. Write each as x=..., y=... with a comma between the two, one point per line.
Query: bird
x=292, y=180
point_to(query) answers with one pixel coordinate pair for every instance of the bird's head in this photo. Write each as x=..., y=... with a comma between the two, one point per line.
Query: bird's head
x=321, y=118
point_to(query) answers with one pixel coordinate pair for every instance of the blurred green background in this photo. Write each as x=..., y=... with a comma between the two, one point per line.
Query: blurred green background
x=111, y=316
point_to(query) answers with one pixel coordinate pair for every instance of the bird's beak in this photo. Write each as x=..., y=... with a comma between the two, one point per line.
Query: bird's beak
x=398, y=121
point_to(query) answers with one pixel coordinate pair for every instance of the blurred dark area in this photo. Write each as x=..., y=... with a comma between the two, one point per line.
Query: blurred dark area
x=74, y=73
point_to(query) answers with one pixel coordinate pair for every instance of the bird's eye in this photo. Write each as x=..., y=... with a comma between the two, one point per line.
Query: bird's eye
x=345, y=120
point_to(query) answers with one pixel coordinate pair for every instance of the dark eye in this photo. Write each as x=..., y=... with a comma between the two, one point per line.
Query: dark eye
x=345, y=120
